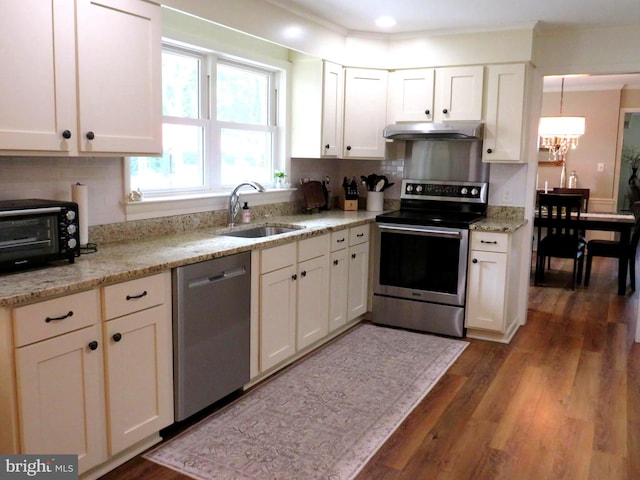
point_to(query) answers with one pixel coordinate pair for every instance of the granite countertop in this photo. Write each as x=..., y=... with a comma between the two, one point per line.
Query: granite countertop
x=127, y=260
x=499, y=224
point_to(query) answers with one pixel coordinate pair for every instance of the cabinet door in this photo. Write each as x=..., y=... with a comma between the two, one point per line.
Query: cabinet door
x=338, y=285
x=486, y=287
x=37, y=87
x=61, y=396
x=119, y=76
x=365, y=112
x=277, y=316
x=411, y=95
x=139, y=376
x=313, y=300
x=459, y=93
x=332, y=102
x=358, y=280
x=505, y=107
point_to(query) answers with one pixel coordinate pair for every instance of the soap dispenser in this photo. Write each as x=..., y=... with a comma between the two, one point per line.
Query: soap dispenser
x=246, y=213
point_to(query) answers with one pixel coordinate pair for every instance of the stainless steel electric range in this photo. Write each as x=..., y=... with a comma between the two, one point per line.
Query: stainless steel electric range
x=421, y=252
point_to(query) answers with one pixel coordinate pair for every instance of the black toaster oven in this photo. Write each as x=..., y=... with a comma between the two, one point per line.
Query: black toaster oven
x=36, y=231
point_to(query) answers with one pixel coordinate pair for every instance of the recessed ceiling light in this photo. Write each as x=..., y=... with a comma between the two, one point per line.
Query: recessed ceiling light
x=385, y=22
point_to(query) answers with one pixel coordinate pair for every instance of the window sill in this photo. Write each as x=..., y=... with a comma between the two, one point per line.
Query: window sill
x=168, y=206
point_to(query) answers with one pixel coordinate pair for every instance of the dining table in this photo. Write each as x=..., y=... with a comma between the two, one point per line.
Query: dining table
x=621, y=222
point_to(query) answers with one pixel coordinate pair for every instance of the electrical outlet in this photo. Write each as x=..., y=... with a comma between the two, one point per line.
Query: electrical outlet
x=600, y=167
x=506, y=196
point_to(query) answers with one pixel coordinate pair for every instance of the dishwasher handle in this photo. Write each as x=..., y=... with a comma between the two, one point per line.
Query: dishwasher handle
x=218, y=277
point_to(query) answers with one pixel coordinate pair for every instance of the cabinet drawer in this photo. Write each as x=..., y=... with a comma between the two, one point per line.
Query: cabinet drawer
x=279, y=257
x=313, y=247
x=50, y=318
x=132, y=296
x=359, y=234
x=490, y=241
x=339, y=240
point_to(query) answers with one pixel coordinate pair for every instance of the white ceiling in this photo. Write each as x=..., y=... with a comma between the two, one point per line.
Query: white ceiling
x=465, y=15
x=449, y=16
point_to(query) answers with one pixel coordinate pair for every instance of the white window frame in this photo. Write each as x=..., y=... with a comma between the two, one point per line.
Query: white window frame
x=213, y=196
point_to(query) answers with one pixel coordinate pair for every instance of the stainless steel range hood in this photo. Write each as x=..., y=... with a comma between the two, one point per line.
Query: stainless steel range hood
x=434, y=131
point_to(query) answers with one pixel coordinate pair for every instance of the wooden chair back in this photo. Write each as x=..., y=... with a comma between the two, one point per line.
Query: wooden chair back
x=560, y=212
x=572, y=191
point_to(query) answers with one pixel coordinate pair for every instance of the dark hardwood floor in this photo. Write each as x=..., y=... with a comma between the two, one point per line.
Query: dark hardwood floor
x=561, y=401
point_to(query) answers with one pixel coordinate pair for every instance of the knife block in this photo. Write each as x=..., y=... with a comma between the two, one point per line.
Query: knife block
x=345, y=204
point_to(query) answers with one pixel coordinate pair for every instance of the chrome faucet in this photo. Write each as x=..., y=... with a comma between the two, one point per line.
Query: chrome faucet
x=234, y=200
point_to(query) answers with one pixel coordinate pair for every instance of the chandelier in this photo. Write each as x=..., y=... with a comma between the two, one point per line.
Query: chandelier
x=559, y=134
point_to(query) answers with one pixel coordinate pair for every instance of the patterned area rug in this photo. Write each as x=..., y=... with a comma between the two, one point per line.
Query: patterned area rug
x=324, y=418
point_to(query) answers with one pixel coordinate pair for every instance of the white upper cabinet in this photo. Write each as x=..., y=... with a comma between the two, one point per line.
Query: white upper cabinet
x=365, y=113
x=332, y=107
x=317, y=104
x=37, y=87
x=505, y=99
x=85, y=79
x=458, y=94
x=411, y=95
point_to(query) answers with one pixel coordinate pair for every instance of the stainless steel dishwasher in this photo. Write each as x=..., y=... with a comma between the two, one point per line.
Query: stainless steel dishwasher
x=211, y=331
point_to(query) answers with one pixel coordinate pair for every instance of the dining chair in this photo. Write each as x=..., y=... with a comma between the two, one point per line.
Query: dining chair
x=615, y=249
x=572, y=191
x=561, y=213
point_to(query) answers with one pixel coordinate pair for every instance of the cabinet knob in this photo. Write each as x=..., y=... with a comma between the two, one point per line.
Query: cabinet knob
x=303, y=273
x=90, y=135
x=348, y=147
x=353, y=255
x=117, y=337
x=294, y=277
x=335, y=262
x=93, y=345
x=327, y=146
x=62, y=317
x=445, y=111
x=427, y=112
x=66, y=134
x=475, y=260
x=489, y=150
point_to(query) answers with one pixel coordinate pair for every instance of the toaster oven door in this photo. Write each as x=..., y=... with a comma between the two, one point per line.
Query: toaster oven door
x=28, y=239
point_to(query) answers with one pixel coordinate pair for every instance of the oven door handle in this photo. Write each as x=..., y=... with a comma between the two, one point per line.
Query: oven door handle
x=421, y=231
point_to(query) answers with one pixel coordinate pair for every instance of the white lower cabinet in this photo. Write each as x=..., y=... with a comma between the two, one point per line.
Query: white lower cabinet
x=60, y=378
x=349, y=278
x=138, y=356
x=277, y=304
x=312, y=290
x=89, y=387
x=492, y=285
x=61, y=396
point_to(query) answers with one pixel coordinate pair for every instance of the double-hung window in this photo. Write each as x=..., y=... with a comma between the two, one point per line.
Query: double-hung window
x=219, y=126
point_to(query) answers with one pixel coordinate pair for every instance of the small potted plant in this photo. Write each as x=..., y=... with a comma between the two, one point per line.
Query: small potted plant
x=279, y=176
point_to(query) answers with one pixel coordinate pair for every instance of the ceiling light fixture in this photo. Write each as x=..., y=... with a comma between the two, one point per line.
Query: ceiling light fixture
x=559, y=134
x=385, y=22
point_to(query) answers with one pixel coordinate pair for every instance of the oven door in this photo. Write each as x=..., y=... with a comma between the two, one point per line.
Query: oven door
x=424, y=263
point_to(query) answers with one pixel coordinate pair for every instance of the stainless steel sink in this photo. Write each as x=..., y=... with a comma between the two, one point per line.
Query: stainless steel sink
x=261, y=231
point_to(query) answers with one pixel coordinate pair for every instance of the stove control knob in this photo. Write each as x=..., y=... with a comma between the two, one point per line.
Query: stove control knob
x=464, y=190
x=474, y=192
x=409, y=188
x=419, y=188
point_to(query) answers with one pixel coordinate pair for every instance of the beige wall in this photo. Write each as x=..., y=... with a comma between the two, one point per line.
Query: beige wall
x=598, y=144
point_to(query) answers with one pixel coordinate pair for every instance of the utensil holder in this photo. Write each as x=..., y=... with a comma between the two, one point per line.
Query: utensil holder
x=375, y=201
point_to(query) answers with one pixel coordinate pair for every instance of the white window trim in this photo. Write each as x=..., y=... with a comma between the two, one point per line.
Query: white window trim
x=155, y=207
